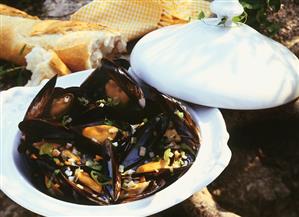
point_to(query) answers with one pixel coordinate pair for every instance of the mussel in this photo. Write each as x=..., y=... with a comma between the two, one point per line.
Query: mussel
x=105, y=142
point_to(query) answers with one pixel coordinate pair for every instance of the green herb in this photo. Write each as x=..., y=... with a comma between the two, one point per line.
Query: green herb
x=100, y=178
x=56, y=172
x=93, y=165
x=179, y=114
x=97, y=167
x=109, y=102
x=112, y=102
x=4, y=72
x=56, y=160
x=83, y=101
x=22, y=49
x=49, y=183
x=46, y=149
x=167, y=155
x=109, y=122
x=12, y=75
x=101, y=101
x=66, y=119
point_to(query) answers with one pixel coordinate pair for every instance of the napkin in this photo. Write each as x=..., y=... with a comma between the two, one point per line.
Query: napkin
x=135, y=18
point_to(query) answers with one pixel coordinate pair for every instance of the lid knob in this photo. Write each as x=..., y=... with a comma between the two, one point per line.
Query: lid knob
x=227, y=9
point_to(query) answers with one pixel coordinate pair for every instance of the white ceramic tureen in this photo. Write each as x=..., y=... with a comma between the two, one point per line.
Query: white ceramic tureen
x=212, y=158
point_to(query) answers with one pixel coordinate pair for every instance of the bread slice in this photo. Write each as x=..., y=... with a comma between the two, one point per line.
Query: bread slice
x=44, y=64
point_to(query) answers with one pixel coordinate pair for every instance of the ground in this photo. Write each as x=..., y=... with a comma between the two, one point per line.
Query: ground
x=262, y=178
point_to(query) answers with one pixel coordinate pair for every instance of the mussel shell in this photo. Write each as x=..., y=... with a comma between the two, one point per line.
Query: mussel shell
x=113, y=172
x=100, y=199
x=95, y=112
x=185, y=124
x=60, y=106
x=41, y=100
x=147, y=137
x=94, y=88
x=121, y=126
x=154, y=186
x=90, y=115
x=122, y=63
x=37, y=130
x=94, y=85
x=125, y=81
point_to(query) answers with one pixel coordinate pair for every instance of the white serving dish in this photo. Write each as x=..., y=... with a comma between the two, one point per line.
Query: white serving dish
x=213, y=157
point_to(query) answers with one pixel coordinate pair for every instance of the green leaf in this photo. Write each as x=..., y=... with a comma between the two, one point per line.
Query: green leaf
x=201, y=15
x=242, y=18
x=251, y=5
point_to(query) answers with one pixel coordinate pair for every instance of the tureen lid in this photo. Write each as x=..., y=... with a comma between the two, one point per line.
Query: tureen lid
x=219, y=65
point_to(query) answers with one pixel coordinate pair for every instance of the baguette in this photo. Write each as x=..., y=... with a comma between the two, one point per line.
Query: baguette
x=44, y=64
x=10, y=11
x=74, y=45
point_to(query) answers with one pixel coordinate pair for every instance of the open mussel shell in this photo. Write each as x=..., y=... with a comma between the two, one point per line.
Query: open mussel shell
x=111, y=86
x=110, y=74
x=36, y=130
x=181, y=119
x=85, y=186
x=41, y=100
x=143, y=142
x=56, y=104
x=65, y=105
x=141, y=190
x=100, y=131
x=184, y=124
